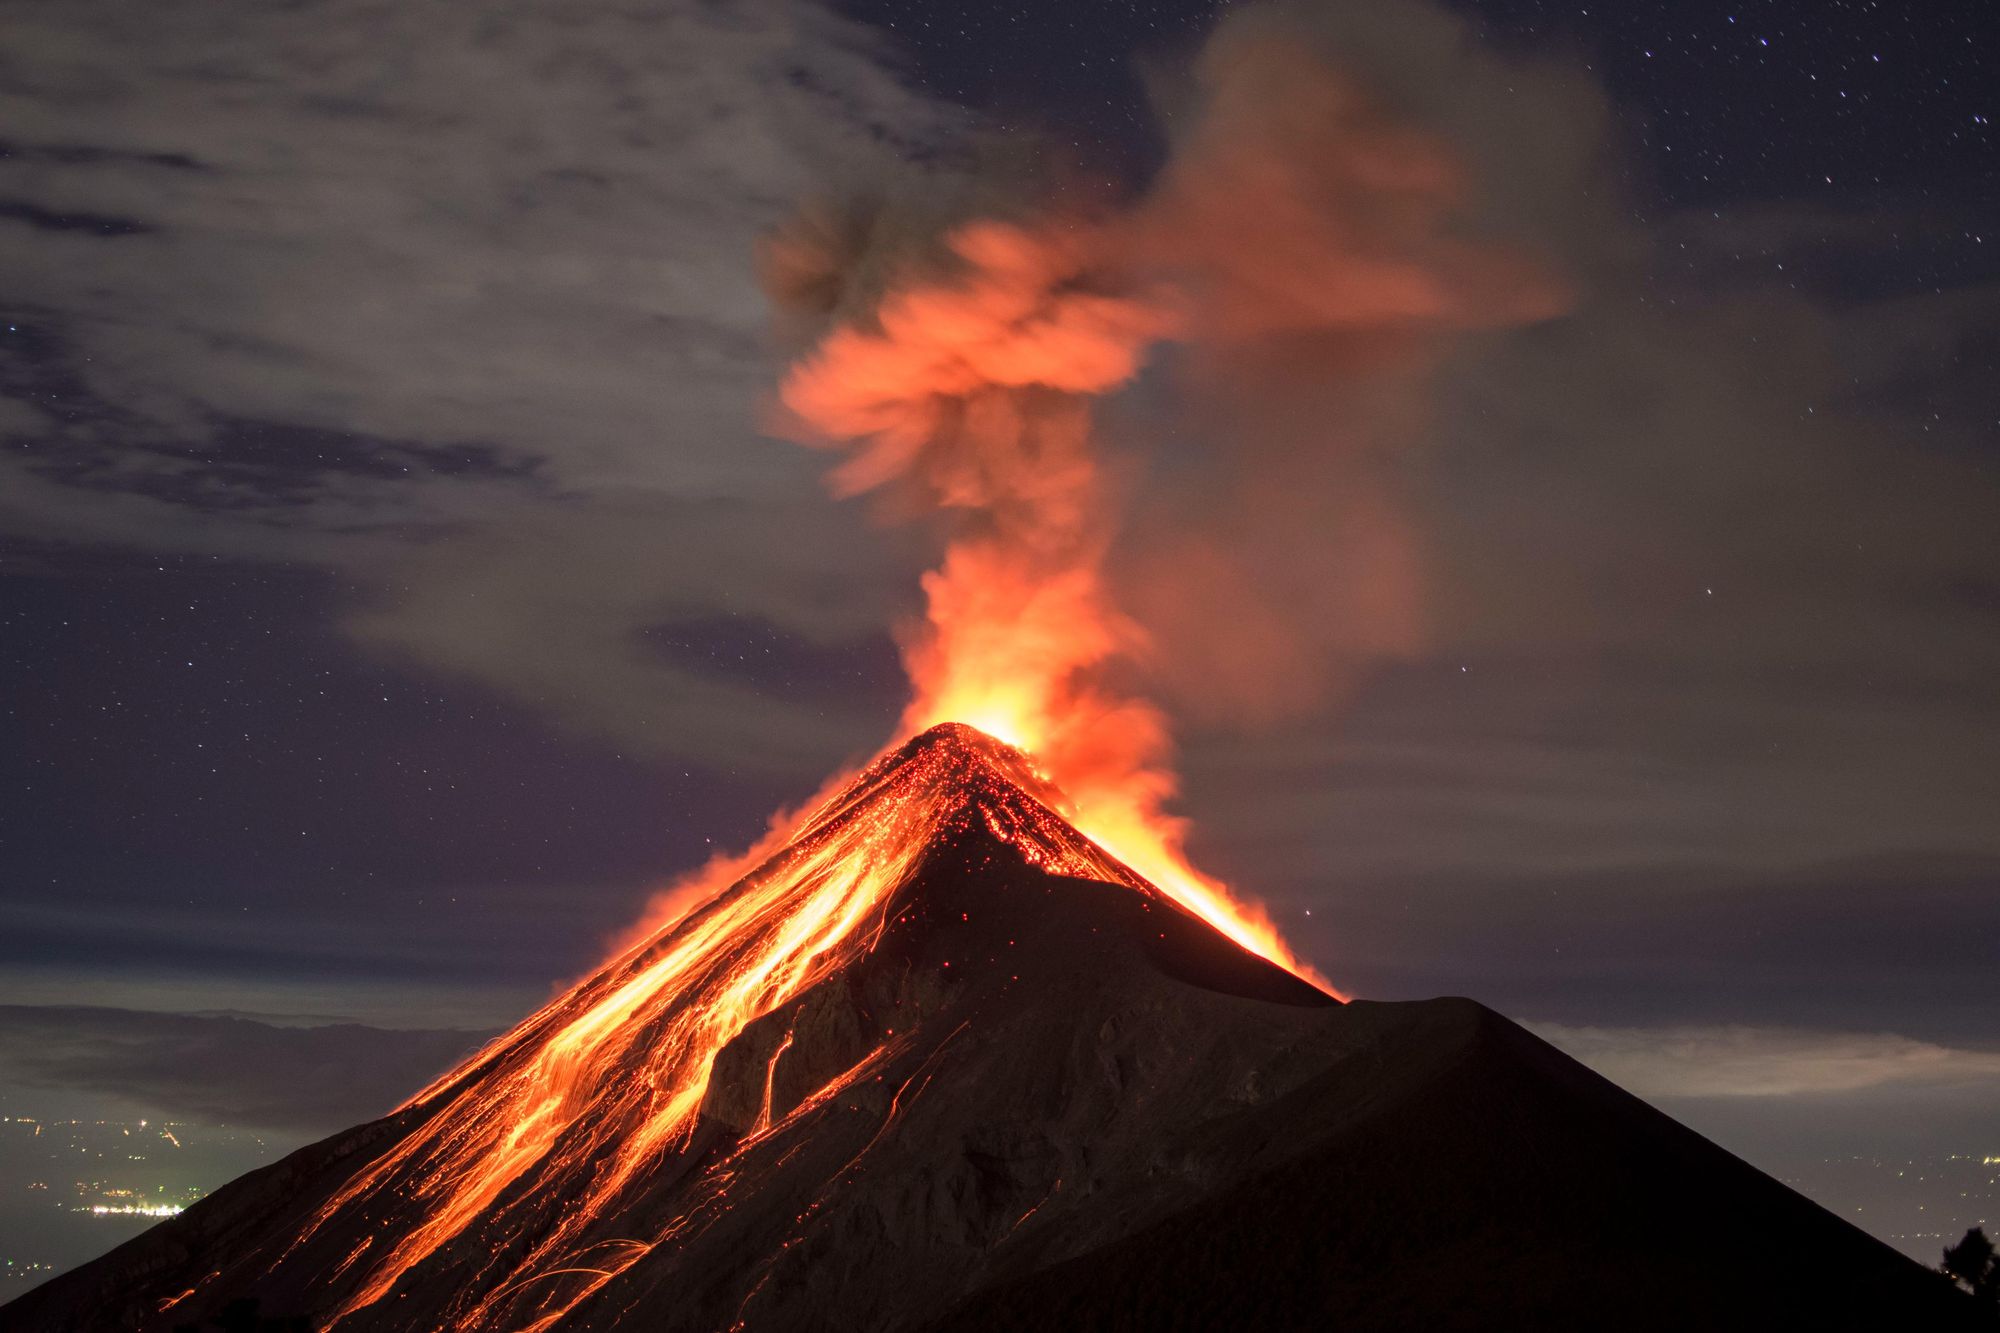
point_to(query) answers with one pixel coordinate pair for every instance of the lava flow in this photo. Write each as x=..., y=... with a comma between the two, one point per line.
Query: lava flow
x=604, y=1084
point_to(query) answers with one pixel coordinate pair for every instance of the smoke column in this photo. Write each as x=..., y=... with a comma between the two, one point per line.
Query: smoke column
x=1298, y=236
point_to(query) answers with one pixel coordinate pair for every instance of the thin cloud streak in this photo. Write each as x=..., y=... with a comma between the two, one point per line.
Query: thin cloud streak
x=1767, y=1062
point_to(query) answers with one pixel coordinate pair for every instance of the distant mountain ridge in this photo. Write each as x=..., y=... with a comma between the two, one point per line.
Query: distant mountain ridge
x=286, y=1072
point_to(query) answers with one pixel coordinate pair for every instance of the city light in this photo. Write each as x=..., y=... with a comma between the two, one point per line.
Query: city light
x=137, y=1209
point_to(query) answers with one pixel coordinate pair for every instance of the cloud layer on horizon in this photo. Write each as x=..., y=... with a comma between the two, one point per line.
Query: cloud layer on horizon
x=225, y=1069
x=1681, y=1062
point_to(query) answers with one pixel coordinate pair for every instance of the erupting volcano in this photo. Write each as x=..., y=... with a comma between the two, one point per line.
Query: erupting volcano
x=941, y=1061
x=969, y=1043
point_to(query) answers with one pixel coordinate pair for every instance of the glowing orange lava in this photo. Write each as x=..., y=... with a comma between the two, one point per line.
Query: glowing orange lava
x=603, y=1086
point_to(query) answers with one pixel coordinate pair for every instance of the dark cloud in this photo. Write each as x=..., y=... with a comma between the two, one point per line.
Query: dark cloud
x=573, y=607
x=225, y=1069
x=1899, y=944
x=417, y=293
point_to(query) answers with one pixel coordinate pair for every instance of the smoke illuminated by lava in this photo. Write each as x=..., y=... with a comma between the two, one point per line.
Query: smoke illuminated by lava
x=973, y=392
x=963, y=392
x=1294, y=211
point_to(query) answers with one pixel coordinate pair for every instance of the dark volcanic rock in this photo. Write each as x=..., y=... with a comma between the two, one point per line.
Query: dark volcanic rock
x=1047, y=1102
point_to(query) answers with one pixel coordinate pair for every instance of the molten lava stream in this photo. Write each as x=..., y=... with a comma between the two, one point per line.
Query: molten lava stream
x=606, y=1080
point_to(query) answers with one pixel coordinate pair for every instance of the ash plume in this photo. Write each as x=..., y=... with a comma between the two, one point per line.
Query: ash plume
x=1297, y=265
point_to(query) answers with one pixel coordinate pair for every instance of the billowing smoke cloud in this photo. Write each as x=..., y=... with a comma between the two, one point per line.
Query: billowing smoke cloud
x=1307, y=252
x=1333, y=244
x=1306, y=248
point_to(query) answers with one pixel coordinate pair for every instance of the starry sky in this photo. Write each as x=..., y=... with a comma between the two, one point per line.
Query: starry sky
x=396, y=587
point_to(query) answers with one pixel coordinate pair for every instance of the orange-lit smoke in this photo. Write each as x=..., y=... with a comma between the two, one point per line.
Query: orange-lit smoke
x=972, y=393
x=1328, y=261
x=1296, y=214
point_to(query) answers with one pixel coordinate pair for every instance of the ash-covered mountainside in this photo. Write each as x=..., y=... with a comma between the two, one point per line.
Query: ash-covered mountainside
x=1017, y=1088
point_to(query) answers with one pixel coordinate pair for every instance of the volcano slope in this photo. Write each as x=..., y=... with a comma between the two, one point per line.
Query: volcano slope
x=1004, y=1083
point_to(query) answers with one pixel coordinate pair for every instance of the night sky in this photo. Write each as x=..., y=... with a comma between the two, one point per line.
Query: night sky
x=396, y=587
